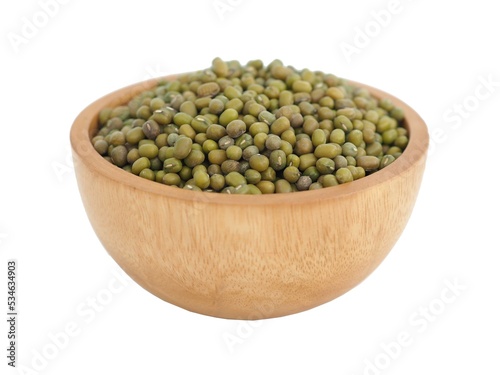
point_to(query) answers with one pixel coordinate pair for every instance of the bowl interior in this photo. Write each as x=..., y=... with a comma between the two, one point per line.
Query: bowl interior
x=86, y=126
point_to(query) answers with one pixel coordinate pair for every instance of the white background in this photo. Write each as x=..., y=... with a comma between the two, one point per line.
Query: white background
x=431, y=54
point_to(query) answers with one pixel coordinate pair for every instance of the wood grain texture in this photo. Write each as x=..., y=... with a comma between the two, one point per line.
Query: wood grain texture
x=246, y=257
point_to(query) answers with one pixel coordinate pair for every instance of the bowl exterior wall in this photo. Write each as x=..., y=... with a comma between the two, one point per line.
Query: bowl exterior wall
x=253, y=261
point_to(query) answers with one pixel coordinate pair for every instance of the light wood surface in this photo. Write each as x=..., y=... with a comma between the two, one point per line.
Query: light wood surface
x=246, y=257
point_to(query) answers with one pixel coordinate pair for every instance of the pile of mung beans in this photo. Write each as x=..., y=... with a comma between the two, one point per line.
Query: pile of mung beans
x=252, y=129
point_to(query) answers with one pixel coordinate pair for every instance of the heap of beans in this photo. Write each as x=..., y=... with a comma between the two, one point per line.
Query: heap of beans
x=252, y=129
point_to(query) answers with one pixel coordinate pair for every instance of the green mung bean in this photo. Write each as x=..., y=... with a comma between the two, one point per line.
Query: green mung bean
x=252, y=129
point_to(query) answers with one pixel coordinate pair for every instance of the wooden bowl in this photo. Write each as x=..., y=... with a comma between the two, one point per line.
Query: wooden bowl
x=246, y=257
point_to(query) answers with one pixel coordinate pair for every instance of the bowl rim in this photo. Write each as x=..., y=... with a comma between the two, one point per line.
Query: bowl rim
x=85, y=124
